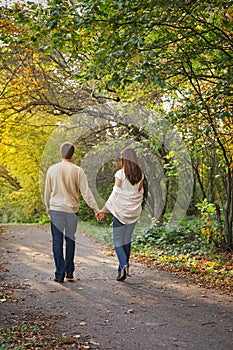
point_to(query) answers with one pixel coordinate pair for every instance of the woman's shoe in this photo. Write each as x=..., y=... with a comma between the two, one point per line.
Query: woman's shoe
x=127, y=270
x=123, y=273
x=118, y=277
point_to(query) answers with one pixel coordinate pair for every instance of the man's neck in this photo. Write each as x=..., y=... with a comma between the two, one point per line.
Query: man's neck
x=67, y=160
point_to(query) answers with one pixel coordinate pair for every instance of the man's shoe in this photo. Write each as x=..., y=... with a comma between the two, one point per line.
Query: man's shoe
x=56, y=280
x=70, y=276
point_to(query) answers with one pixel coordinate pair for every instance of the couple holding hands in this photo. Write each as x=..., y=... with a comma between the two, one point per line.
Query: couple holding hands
x=64, y=180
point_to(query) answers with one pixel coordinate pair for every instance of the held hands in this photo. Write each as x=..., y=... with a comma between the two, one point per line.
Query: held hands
x=100, y=215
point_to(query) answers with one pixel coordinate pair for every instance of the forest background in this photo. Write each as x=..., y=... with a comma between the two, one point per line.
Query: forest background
x=60, y=58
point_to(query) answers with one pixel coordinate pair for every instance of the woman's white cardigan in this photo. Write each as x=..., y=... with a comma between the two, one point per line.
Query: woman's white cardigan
x=125, y=202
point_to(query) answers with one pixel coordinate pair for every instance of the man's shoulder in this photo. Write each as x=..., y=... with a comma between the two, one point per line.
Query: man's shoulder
x=75, y=167
x=71, y=166
x=54, y=166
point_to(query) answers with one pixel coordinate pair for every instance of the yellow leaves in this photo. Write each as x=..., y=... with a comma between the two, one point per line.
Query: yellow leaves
x=170, y=155
x=205, y=231
x=209, y=229
x=22, y=144
x=7, y=25
x=20, y=89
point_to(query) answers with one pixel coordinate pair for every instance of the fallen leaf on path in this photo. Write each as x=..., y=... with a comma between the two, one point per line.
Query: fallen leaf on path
x=92, y=342
x=83, y=323
x=129, y=311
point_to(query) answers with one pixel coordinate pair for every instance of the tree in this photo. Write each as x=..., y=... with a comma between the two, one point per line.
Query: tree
x=36, y=94
x=180, y=52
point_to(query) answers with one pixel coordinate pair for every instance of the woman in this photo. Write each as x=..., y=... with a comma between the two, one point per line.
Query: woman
x=125, y=203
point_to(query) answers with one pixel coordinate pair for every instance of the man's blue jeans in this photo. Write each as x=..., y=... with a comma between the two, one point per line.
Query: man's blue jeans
x=63, y=225
x=122, y=241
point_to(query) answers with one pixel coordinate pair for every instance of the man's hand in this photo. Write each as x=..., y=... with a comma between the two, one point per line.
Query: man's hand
x=100, y=215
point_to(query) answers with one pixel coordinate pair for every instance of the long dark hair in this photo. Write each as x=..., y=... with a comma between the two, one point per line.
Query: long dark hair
x=129, y=162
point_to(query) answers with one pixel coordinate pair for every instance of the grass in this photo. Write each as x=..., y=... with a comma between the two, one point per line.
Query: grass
x=100, y=231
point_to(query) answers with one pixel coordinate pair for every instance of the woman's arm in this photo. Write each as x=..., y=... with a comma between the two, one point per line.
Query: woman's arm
x=118, y=183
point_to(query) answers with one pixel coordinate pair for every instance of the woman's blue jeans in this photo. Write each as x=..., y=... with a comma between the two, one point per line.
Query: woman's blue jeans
x=122, y=241
x=63, y=225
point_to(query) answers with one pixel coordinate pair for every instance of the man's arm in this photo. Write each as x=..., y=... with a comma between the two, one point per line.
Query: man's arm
x=86, y=192
x=47, y=193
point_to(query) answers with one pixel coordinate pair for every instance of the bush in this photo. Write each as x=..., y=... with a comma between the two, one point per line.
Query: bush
x=186, y=238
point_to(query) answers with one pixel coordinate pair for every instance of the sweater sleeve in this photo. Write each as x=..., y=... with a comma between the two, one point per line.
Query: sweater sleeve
x=47, y=191
x=86, y=192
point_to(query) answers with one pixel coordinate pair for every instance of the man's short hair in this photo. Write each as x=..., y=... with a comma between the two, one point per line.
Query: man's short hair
x=67, y=150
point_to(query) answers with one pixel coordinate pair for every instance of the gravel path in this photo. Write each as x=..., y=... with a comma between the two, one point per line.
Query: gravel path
x=150, y=310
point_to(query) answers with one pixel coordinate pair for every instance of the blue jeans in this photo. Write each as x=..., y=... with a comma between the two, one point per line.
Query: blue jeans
x=122, y=241
x=63, y=224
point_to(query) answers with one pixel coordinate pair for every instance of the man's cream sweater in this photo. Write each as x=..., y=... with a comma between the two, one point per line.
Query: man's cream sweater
x=64, y=180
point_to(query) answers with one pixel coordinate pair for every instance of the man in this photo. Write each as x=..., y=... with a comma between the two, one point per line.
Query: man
x=64, y=180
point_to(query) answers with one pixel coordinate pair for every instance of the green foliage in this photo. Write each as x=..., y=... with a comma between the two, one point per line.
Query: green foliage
x=176, y=52
x=185, y=250
x=43, y=219
x=85, y=212
x=101, y=231
x=181, y=249
x=206, y=208
x=185, y=238
x=15, y=335
x=210, y=227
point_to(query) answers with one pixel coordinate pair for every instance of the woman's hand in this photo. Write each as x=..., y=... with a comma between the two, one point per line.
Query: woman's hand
x=100, y=215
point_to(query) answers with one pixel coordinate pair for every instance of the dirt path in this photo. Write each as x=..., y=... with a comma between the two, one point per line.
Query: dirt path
x=150, y=310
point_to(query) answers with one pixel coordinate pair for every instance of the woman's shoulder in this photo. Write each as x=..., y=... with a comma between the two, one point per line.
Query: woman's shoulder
x=120, y=174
